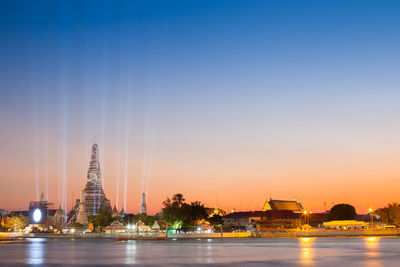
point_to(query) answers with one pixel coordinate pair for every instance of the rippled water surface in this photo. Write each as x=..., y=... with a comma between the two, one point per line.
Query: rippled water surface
x=363, y=251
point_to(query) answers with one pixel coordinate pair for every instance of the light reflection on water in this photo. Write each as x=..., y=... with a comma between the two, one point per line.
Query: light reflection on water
x=36, y=251
x=130, y=252
x=361, y=251
x=372, y=253
x=306, y=253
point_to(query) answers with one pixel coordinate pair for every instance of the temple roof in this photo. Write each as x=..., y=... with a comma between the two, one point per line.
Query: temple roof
x=275, y=204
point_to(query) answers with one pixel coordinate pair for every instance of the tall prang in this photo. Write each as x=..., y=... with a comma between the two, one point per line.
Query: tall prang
x=95, y=198
x=143, y=204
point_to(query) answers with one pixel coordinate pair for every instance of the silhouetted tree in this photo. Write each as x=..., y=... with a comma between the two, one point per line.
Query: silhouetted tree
x=180, y=214
x=216, y=220
x=390, y=214
x=342, y=212
x=102, y=219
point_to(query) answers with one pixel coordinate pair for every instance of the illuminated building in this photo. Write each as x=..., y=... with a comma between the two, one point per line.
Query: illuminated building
x=159, y=226
x=95, y=198
x=82, y=218
x=59, y=219
x=39, y=211
x=215, y=211
x=275, y=214
x=143, y=204
x=92, y=197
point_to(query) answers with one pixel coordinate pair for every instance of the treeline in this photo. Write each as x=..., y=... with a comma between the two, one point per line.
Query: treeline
x=176, y=212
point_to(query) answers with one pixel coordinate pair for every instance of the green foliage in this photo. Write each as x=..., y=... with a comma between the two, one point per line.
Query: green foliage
x=179, y=214
x=101, y=220
x=342, y=212
x=76, y=225
x=146, y=219
x=16, y=222
x=390, y=214
x=216, y=220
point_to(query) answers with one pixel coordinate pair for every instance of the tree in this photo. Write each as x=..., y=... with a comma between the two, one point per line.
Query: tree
x=102, y=219
x=216, y=220
x=16, y=222
x=173, y=212
x=146, y=219
x=195, y=212
x=390, y=214
x=342, y=212
x=179, y=214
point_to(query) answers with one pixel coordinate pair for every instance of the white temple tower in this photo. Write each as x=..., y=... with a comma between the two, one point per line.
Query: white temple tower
x=94, y=196
x=143, y=204
x=82, y=218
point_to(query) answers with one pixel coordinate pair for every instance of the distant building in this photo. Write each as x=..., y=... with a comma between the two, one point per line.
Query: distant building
x=143, y=204
x=115, y=212
x=265, y=219
x=275, y=214
x=346, y=224
x=115, y=227
x=141, y=227
x=159, y=226
x=243, y=218
x=59, y=219
x=82, y=217
x=215, y=211
x=39, y=211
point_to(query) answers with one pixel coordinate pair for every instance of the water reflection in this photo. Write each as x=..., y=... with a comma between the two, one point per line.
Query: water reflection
x=307, y=250
x=130, y=252
x=372, y=253
x=36, y=251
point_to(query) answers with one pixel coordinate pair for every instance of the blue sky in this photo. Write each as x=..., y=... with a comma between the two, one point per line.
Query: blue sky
x=285, y=83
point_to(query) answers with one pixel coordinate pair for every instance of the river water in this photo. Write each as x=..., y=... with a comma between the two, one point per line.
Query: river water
x=362, y=251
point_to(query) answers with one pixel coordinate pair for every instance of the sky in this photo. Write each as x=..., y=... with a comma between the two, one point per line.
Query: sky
x=227, y=102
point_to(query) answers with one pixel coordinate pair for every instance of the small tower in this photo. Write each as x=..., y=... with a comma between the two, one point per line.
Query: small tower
x=143, y=205
x=82, y=213
x=115, y=212
x=59, y=219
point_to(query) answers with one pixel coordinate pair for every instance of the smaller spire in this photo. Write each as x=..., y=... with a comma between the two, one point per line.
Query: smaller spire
x=95, y=140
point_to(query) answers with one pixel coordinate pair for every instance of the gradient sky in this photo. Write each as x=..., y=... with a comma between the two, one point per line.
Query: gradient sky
x=223, y=101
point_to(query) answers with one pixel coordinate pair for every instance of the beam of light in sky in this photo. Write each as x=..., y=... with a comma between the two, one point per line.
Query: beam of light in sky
x=127, y=140
x=36, y=146
x=153, y=107
x=64, y=78
x=119, y=149
x=45, y=137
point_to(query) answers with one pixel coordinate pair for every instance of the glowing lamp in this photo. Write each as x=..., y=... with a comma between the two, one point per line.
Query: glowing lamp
x=37, y=215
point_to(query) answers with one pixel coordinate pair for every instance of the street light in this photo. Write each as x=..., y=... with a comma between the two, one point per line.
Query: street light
x=370, y=210
x=305, y=214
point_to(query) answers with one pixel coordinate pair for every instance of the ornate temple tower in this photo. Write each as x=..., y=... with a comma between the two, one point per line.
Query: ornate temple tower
x=59, y=219
x=82, y=218
x=143, y=205
x=94, y=196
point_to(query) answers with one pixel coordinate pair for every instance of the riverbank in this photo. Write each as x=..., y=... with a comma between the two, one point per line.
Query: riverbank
x=162, y=236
